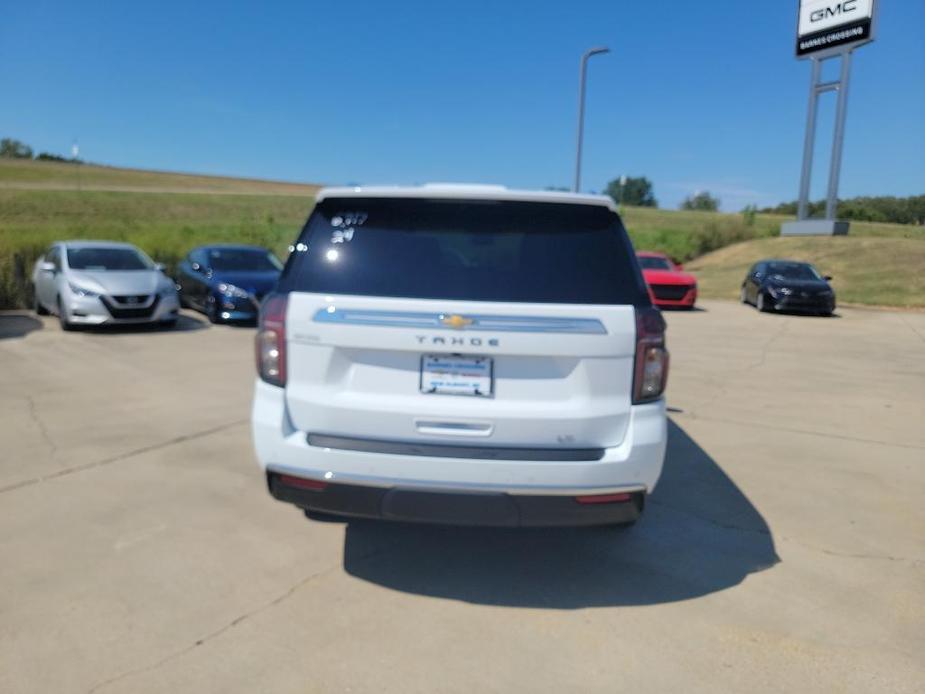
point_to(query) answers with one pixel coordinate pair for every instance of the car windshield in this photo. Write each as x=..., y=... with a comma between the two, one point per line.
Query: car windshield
x=793, y=271
x=648, y=262
x=465, y=249
x=243, y=260
x=100, y=258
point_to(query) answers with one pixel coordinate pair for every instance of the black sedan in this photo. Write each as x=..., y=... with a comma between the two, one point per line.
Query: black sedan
x=788, y=285
x=227, y=283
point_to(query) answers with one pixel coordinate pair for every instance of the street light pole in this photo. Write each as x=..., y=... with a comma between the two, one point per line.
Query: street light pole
x=581, y=109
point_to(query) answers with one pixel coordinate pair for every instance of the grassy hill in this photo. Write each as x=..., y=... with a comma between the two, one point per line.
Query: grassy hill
x=166, y=214
x=875, y=270
x=23, y=174
x=686, y=235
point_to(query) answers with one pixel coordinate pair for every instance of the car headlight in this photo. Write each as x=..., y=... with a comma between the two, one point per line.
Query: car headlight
x=231, y=290
x=81, y=291
x=781, y=291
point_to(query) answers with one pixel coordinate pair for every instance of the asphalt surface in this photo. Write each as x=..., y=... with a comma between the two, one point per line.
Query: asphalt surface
x=784, y=549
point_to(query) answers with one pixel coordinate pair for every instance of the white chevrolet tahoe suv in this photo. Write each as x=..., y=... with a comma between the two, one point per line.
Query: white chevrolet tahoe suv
x=464, y=355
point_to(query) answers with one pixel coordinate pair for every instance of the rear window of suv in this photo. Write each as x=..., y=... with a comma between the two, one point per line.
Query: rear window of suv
x=468, y=250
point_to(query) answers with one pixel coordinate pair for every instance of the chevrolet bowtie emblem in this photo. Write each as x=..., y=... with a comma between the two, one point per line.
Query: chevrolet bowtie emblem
x=455, y=321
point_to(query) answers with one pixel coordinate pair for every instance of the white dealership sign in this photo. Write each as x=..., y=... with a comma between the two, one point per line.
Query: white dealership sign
x=827, y=24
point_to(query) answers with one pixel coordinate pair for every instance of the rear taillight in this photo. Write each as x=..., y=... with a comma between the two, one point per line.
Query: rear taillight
x=271, y=340
x=619, y=498
x=303, y=483
x=651, y=369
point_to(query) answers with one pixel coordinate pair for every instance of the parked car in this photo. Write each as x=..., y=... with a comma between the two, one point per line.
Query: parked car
x=788, y=285
x=669, y=285
x=102, y=282
x=226, y=282
x=463, y=355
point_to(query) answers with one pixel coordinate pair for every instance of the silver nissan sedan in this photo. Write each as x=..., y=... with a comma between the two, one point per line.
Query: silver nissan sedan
x=102, y=282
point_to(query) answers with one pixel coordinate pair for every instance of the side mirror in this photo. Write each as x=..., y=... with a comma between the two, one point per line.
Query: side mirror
x=678, y=266
x=160, y=267
x=827, y=278
x=47, y=266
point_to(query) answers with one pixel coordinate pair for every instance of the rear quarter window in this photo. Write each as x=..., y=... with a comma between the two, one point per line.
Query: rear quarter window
x=466, y=250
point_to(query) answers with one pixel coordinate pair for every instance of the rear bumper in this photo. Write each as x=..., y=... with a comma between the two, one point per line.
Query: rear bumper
x=633, y=466
x=454, y=508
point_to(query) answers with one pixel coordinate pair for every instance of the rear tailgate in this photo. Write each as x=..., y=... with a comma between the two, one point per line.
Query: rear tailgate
x=536, y=299
x=561, y=378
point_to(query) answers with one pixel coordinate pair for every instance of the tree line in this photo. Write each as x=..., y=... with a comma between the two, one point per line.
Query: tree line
x=639, y=192
x=14, y=149
x=882, y=208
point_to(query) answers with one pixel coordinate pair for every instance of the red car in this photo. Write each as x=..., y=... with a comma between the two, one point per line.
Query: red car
x=669, y=285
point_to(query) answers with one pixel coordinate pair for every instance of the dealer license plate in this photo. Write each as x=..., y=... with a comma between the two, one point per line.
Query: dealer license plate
x=457, y=375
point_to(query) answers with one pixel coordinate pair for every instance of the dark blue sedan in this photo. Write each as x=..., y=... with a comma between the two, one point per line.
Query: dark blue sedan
x=227, y=283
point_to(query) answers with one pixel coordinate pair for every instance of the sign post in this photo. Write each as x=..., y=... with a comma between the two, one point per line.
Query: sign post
x=827, y=29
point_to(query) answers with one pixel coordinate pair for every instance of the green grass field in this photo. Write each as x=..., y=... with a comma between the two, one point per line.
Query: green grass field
x=166, y=214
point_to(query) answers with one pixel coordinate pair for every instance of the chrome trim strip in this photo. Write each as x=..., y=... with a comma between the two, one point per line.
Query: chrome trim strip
x=432, y=321
x=443, y=450
x=432, y=486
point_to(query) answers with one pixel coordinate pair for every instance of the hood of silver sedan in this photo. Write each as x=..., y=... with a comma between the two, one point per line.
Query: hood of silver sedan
x=118, y=282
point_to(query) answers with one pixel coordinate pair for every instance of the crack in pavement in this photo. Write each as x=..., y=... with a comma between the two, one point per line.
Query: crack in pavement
x=43, y=431
x=724, y=389
x=793, y=430
x=121, y=457
x=902, y=319
x=767, y=346
x=785, y=538
x=848, y=555
x=230, y=625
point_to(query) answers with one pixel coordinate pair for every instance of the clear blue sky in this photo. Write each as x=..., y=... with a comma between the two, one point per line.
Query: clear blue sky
x=702, y=95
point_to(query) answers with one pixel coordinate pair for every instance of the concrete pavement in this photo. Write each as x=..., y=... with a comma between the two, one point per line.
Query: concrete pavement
x=784, y=549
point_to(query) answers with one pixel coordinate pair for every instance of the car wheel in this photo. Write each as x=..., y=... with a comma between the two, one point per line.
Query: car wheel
x=762, y=304
x=743, y=296
x=37, y=305
x=62, y=317
x=211, y=311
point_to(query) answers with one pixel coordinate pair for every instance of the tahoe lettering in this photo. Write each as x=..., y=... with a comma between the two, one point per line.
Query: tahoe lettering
x=458, y=341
